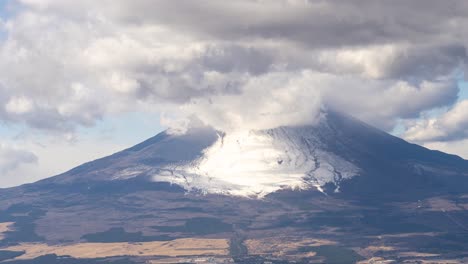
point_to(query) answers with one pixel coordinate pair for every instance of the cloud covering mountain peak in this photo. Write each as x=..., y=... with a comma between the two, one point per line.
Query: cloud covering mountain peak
x=283, y=59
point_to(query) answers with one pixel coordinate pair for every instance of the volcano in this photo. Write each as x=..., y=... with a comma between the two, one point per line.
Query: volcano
x=336, y=154
x=337, y=191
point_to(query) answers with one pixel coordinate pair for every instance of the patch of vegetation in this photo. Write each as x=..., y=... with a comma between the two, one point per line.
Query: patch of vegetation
x=5, y=254
x=444, y=244
x=461, y=237
x=337, y=219
x=198, y=226
x=299, y=198
x=202, y=226
x=336, y=254
x=190, y=200
x=119, y=234
x=260, y=260
x=392, y=224
x=23, y=216
x=385, y=221
x=237, y=249
x=187, y=209
x=54, y=259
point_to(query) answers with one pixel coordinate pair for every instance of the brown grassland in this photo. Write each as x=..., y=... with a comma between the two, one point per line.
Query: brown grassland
x=4, y=227
x=175, y=248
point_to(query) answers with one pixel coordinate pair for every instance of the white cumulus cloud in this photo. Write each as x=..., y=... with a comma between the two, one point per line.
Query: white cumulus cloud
x=451, y=125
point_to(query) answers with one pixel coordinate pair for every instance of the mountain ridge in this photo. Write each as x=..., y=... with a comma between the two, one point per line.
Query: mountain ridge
x=347, y=139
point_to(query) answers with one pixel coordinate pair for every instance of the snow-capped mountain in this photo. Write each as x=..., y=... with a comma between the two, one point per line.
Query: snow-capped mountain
x=335, y=154
x=340, y=181
x=260, y=162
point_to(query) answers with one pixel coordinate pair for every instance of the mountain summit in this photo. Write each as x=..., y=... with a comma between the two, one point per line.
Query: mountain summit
x=337, y=154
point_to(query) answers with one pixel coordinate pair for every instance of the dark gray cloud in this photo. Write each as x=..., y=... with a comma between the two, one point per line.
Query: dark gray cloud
x=11, y=158
x=314, y=23
x=236, y=58
x=69, y=63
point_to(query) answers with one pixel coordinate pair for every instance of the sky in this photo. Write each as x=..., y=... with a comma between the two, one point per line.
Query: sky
x=84, y=79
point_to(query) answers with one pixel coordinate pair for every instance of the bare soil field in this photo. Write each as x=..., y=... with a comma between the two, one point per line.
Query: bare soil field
x=175, y=248
x=5, y=227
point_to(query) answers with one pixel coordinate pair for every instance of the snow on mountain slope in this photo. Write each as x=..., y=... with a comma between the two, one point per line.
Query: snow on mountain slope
x=256, y=163
x=325, y=156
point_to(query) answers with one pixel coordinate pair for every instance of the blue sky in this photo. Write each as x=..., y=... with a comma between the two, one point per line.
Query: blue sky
x=8, y=8
x=127, y=129
x=3, y=15
x=3, y=11
x=463, y=90
x=107, y=136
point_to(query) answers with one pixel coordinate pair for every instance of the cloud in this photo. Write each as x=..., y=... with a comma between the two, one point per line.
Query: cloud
x=457, y=147
x=11, y=158
x=19, y=105
x=285, y=98
x=247, y=63
x=32, y=157
x=399, y=61
x=450, y=126
x=244, y=64
x=383, y=102
x=313, y=23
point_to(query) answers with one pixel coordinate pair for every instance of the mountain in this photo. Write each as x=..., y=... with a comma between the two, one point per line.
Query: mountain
x=337, y=191
x=338, y=154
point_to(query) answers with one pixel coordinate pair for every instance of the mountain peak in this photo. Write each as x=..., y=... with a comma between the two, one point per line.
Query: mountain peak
x=337, y=153
x=258, y=162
